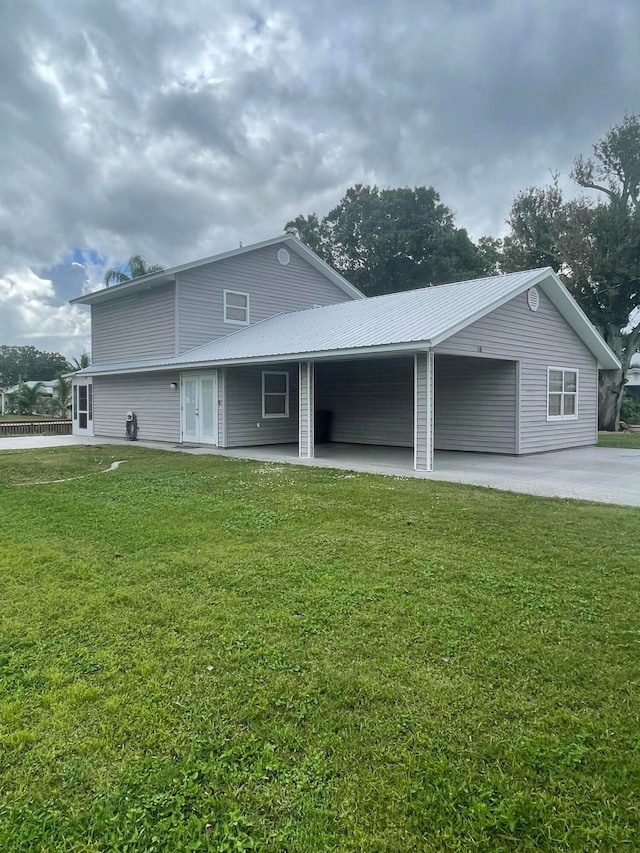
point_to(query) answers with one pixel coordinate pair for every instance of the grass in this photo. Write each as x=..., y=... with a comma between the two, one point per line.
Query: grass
x=619, y=439
x=200, y=653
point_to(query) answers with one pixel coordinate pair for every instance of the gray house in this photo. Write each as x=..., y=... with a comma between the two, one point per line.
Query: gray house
x=267, y=344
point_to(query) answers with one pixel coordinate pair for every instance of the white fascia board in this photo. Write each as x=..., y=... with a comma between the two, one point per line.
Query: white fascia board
x=157, y=277
x=168, y=275
x=530, y=282
x=321, y=355
x=567, y=306
x=106, y=294
x=562, y=300
x=317, y=263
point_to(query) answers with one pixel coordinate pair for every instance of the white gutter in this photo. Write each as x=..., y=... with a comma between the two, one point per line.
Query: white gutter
x=321, y=355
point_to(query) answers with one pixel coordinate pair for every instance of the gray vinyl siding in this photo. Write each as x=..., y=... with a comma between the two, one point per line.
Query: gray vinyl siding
x=371, y=400
x=424, y=418
x=272, y=289
x=149, y=395
x=538, y=340
x=137, y=326
x=243, y=402
x=475, y=404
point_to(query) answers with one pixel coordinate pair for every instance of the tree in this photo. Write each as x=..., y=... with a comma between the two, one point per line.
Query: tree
x=28, y=363
x=79, y=363
x=594, y=243
x=136, y=267
x=29, y=397
x=61, y=396
x=389, y=240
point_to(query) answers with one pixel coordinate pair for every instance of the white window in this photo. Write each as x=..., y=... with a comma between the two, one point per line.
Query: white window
x=562, y=394
x=275, y=394
x=236, y=307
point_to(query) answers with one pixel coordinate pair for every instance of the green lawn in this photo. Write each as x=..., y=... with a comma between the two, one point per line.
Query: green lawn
x=213, y=654
x=619, y=439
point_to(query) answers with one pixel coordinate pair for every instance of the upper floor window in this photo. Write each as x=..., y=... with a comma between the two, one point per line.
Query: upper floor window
x=236, y=307
x=562, y=393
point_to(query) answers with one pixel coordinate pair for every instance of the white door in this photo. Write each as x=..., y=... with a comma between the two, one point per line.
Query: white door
x=200, y=408
x=83, y=407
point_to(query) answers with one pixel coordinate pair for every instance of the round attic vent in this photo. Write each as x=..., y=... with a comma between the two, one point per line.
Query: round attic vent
x=283, y=257
x=533, y=298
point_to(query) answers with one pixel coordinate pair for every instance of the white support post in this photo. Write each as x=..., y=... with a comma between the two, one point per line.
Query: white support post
x=306, y=413
x=423, y=378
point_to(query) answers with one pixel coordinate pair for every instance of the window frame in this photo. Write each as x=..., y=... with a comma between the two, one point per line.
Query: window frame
x=284, y=394
x=226, y=306
x=563, y=394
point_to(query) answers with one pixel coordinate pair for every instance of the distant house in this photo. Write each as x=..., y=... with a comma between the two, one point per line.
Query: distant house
x=266, y=343
x=47, y=390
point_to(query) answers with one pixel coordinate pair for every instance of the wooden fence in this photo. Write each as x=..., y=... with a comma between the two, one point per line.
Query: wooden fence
x=57, y=427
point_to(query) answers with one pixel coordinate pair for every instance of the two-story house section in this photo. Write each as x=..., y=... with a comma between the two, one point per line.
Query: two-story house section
x=267, y=344
x=161, y=315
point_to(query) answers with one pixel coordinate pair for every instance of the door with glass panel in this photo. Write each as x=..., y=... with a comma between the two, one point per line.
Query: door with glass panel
x=200, y=408
x=83, y=408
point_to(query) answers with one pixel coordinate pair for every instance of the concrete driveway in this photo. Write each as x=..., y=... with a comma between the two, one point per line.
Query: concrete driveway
x=602, y=474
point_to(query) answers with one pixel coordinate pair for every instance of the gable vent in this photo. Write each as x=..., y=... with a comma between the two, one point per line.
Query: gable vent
x=283, y=257
x=533, y=298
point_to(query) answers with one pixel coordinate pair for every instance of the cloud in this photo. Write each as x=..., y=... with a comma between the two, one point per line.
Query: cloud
x=31, y=314
x=174, y=130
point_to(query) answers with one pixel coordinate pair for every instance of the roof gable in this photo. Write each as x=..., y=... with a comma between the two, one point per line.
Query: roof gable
x=147, y=282
x=408, y=320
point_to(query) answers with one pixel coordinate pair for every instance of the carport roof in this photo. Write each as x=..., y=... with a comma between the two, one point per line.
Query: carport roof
x=396, y=322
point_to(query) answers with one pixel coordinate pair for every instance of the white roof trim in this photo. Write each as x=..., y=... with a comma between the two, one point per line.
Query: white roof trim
x=165, y=276
x=376, y=326
x=566, y=305
x=321, y=355
x=531, y=281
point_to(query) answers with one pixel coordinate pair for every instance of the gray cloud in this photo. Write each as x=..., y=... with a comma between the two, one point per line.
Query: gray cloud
x=174, y=130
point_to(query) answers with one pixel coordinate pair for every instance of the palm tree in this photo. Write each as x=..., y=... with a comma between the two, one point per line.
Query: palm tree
x=136, y=267
x=79, y=363
x=62, y=396
x=29, y=397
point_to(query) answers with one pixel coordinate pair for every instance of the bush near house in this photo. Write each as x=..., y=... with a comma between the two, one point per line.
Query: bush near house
x=630, y=410
x=213, y=654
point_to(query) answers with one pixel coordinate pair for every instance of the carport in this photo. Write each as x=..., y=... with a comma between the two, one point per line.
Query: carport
x=419, y=401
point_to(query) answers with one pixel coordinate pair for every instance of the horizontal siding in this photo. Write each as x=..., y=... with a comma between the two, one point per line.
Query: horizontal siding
x=137, y=326
x=371, y=400
x=149, y=395
x=272, y=289
x=475, y=404
x=245, y=426
x=538, y=339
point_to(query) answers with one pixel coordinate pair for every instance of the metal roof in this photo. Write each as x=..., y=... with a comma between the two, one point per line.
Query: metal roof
x=146, y=282
x=410, y=320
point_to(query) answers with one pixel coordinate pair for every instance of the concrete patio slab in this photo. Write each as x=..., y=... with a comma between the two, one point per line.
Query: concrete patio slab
x=33, y=442
x=601, y=474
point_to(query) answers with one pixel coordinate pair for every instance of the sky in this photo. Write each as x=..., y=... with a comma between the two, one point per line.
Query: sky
x=175, y=130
